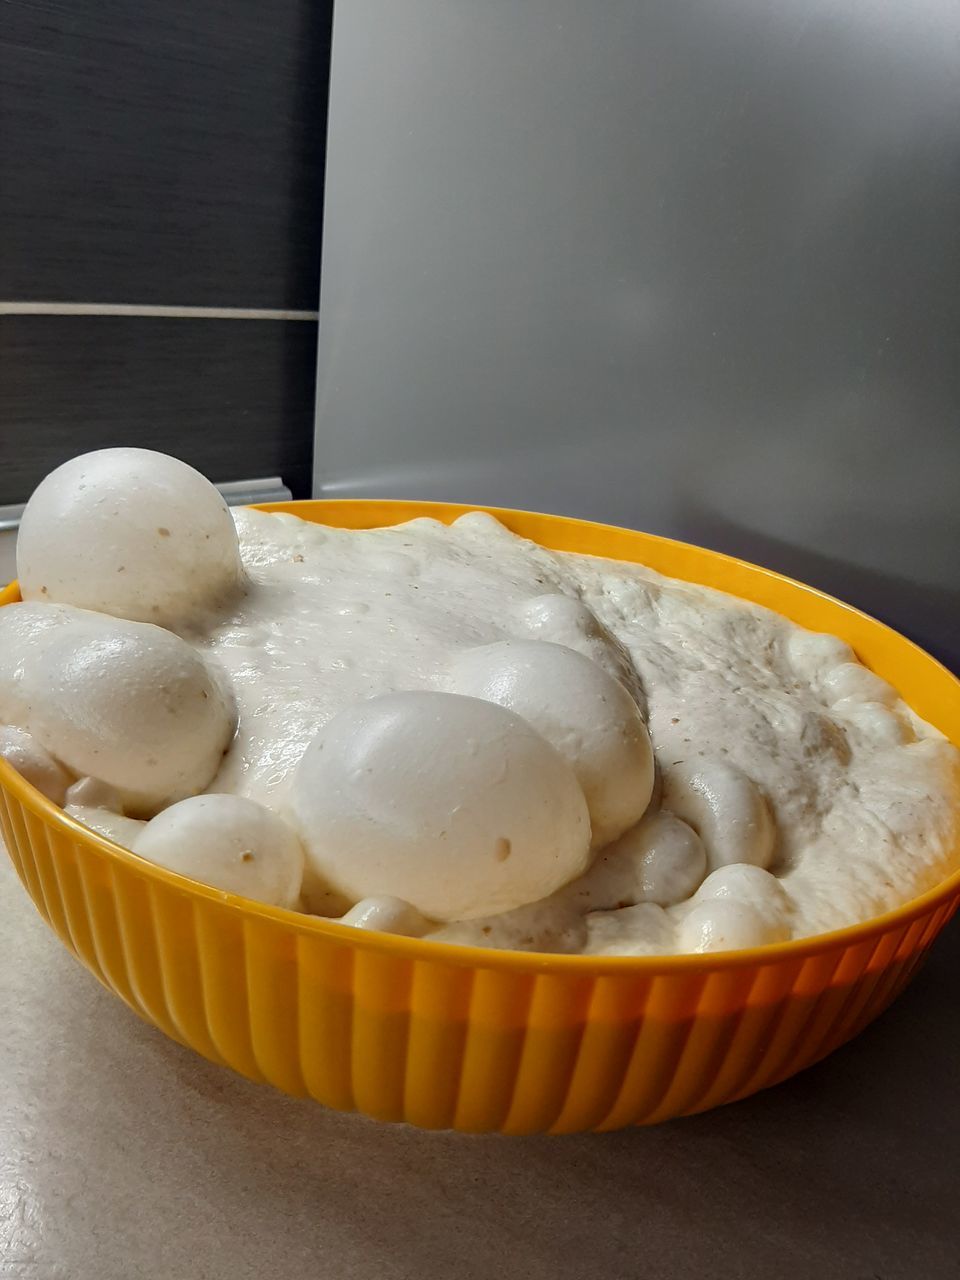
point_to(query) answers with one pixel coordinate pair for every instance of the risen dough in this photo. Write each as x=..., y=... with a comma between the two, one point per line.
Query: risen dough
x=798, y=779
x=387, y=915
x=38, y=766
x=725, y=808
x=228, y=842
x=585, y=713
x=124, y=702
x=121, y=830
x=129, y=532
x=455, y=804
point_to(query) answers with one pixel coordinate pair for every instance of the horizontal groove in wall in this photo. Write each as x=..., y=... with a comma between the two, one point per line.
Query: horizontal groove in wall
x=135, y=310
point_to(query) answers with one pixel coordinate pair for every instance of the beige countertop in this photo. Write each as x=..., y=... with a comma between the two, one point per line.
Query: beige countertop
x=124, y=1156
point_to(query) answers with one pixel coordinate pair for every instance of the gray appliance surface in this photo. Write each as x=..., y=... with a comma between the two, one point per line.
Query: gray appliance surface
x=688, y=267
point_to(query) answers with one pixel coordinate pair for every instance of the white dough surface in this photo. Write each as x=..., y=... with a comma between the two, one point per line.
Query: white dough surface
x=864, y=796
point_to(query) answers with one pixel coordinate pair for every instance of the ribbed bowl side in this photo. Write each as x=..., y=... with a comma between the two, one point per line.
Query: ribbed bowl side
x=441, y=1044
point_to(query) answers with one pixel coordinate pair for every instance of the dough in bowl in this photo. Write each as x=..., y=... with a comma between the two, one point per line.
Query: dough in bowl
x=452, y=732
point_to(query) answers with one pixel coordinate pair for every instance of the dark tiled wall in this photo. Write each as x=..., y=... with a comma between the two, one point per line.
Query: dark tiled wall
x=232, y=397
x=161, y=154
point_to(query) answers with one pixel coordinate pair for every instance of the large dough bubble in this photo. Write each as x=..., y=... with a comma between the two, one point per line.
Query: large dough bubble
x=127, y=703
x=228, y=842
x=32, y=762
x=453, y=804
x=587, y=715
x=132, y=533
x=726, y=809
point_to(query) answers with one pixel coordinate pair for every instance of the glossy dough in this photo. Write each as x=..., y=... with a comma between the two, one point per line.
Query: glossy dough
x=586, y=714
x=125, y=702
x=851, y=818
x=452, y=803
x=38, y=766
x=443, y=713
x=228, y=842
x=132, y=533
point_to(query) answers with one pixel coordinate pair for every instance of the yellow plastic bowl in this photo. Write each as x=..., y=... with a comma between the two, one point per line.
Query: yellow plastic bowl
x=470, y=1039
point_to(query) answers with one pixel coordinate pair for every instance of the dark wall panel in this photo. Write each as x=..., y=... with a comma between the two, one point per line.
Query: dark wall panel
x=232, y=397
x=163, y=152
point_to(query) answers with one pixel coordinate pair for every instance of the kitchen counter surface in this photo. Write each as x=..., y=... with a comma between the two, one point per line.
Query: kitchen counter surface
x=124, y=1156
